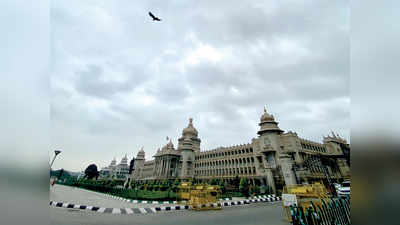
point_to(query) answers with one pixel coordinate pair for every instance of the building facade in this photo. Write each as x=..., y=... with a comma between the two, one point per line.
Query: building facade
x=114, y=170
x=273, y=158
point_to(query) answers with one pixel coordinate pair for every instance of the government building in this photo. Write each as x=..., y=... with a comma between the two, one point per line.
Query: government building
x=274, y=158
x=114, y=170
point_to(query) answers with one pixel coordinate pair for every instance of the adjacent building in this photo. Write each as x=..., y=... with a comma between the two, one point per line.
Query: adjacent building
x=273, y=158
x=120, y=171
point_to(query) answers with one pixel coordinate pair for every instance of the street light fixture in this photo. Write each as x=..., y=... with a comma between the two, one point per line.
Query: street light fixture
x=56, y=152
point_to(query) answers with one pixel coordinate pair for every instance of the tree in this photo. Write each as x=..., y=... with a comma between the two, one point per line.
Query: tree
x=176, y=182
x=91, y=172
x=175, y=185
x=244, y=186
x=222, y=185
x=256, y=190
x=131, y=166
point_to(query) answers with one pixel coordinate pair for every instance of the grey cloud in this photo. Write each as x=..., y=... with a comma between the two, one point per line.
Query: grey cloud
x=93, y=82
x=108, y=55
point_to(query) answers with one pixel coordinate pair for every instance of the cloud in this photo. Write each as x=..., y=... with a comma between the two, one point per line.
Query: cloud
x=121, y=81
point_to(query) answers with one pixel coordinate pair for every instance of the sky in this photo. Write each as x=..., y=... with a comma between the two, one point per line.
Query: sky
x=120, y=81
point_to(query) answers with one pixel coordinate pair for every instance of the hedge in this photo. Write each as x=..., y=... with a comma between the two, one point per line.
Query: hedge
x=154, y=191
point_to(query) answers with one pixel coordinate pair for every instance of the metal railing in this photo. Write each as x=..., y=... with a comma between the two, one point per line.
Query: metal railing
x=333, y=211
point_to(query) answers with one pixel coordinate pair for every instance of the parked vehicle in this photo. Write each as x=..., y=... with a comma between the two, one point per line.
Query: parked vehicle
x=344, y=189
x=336, y=185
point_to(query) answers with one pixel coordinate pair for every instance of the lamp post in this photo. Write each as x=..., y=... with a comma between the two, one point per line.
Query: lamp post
x=56, y=152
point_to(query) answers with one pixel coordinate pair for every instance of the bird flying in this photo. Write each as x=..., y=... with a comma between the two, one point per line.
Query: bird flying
x=154, y=17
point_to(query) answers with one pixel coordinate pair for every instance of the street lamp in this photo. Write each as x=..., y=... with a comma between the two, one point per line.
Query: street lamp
x=56, y=152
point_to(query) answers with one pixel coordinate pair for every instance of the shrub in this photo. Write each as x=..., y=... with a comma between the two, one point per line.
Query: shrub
x=213, y=181
x=244, y=186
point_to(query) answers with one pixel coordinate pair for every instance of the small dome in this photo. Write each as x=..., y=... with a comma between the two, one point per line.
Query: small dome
x=124, y=160
x=168, y=146
x=141, y=154
x=113, y=162
x=267, y=117
x=190, y=130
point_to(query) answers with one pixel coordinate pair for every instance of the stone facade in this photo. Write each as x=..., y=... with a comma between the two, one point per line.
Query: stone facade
x=120, y=171
x=274, y=158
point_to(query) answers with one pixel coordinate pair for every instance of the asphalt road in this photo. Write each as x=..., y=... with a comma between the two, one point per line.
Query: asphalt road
x=253, y=214
x=66, y=194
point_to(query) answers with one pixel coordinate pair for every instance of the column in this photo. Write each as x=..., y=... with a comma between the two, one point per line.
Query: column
x=168, y=166
x=163, y=167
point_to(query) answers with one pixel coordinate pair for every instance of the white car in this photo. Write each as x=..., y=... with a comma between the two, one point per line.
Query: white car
x=344, y=189
x=336, y=185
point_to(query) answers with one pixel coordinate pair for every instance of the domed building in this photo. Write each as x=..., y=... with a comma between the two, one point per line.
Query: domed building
x=273, y=158
x=120, y=171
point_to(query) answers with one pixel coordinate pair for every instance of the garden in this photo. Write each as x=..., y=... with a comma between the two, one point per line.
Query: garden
x=162, y=190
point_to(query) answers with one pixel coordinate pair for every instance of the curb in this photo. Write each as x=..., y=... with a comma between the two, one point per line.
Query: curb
x=118, y=210
x=262, y=196
x=267, y=199
x=158, y=209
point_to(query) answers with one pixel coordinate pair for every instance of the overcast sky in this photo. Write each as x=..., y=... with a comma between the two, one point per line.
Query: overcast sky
x=120, y=81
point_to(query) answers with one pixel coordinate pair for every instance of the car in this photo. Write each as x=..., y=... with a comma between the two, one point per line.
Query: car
x=344, y=189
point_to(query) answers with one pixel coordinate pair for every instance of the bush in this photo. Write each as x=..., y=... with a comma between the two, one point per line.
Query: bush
x=244, y=187
x=255, y=190
x=213, y=181
x=231, y=194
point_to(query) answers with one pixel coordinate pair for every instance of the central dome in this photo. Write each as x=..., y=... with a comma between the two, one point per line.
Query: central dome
x=266, y=117
x=190, y=130
x=268, y=123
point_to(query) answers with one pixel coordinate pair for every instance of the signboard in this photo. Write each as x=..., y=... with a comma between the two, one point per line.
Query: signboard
x=289, y=199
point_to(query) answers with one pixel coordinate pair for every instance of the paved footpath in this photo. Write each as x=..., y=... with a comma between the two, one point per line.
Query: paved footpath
x=78, y=196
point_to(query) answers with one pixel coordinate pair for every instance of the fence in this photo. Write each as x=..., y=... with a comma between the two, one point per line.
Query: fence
x=333, y=211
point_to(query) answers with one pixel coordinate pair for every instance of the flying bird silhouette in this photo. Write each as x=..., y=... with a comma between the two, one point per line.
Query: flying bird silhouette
x=154, y=17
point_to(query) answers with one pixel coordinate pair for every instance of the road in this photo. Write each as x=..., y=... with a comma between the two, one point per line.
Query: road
x=61, y=193
x=262, y=213
x=253, y=214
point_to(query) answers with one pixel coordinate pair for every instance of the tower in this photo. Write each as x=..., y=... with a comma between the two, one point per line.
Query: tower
x=337, y=145
x=269, y=132
x=269, y=146
x=113, y=167
x=187, y=153
x=189, y=143
x=139, y=164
